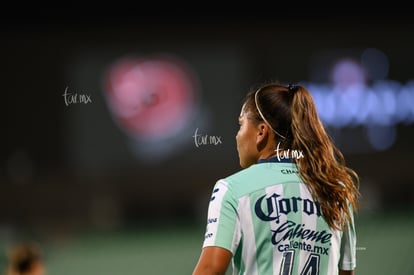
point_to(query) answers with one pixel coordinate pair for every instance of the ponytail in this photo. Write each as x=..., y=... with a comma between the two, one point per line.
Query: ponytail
x=323, y=168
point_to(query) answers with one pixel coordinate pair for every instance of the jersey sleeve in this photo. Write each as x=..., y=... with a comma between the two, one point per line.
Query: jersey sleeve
x=347, y=260
x=223, y=227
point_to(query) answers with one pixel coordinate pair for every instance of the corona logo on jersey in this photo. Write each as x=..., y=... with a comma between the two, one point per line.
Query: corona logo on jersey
x=274, y=206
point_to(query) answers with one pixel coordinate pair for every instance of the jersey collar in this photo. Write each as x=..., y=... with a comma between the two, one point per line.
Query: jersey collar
x=277, y=159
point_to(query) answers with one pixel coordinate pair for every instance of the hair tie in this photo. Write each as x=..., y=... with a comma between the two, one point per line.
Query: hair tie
x=292, y=88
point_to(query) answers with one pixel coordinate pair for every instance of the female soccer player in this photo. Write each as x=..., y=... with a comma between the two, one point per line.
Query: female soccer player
x=290, y=210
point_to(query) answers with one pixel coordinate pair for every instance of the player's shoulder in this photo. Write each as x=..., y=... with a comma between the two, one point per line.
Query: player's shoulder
x=259, y=176
x=248, y=180
x=252, y=172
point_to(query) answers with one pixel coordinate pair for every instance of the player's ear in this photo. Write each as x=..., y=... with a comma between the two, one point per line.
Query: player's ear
x=262, y=132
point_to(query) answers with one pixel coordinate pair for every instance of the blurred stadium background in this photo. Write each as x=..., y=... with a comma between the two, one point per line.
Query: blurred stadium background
x=117, y=127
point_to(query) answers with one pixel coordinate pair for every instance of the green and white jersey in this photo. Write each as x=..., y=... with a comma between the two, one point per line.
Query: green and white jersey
x=266, y=216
